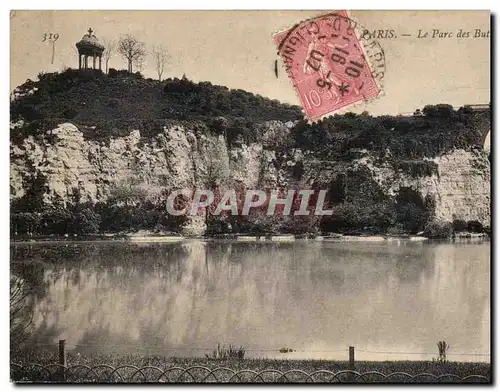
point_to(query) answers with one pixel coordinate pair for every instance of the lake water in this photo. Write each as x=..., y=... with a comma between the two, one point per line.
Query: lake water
x=389, y=300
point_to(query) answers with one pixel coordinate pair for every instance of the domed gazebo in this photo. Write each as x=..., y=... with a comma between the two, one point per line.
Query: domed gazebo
x=89, y=46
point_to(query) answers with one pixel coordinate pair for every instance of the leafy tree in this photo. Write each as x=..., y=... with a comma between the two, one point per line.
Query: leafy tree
x=85, y=221
x=25, y=222
x=35, y=186
x=127, y=194
x=56, y=220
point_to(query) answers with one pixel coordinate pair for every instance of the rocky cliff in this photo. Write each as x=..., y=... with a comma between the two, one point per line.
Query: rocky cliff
x=460, y=188
x=184, y=158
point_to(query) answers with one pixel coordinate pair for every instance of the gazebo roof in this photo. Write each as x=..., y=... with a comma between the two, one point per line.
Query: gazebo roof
x=89, y=43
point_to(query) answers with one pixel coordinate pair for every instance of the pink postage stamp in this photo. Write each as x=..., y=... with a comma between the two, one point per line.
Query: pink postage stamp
x=329, y=61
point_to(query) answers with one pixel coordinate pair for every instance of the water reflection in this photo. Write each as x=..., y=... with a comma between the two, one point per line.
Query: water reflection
x=313, y=297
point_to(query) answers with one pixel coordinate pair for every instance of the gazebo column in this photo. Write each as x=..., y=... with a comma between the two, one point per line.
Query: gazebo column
x=89, y=52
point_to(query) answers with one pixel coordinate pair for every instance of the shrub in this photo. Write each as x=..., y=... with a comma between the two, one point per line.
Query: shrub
x=396, y=230
x=417, y=169
x=358, y=216
x=227, y=353
x=459, y=225
x=443, y=348
x=438, y=230
x=218, y=125
x=430, y=111
x=445, y=110
x=215, y=225
x=298, y=170
x=475, y=226
x=410, y=209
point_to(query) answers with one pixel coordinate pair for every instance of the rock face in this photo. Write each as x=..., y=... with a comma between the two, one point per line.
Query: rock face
x=183, y=158
x=461, y=187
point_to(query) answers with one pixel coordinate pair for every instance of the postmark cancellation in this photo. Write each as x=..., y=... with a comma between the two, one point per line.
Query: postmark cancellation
x=331, y=63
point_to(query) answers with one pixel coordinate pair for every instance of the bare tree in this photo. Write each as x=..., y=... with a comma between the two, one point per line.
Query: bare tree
x=132, y=50
x=27, y=282
x=162, y=58
x=21, y=315
x=109, y=48
x=140, y=64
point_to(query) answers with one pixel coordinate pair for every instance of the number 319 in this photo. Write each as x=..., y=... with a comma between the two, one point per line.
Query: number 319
x=50, y=37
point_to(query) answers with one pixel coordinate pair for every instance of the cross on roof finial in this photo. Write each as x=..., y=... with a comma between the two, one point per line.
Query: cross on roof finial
x=90, y=31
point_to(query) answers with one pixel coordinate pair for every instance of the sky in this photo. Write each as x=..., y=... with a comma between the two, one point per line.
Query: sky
x=235, y=49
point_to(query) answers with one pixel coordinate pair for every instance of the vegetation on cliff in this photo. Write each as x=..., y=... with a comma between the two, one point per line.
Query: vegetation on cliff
x=106, y=106
x=119, y=102
x=439, y=130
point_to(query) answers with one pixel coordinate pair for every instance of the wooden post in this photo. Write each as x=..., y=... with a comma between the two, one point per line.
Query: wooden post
x=351, y=362
x=53, y=51
x=351, y=358
x=62, y=359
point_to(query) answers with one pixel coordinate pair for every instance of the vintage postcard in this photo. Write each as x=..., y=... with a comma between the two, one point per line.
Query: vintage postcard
x=250, y=196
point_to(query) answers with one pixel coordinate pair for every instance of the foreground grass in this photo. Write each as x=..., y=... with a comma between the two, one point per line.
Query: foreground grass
x=461, y=369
